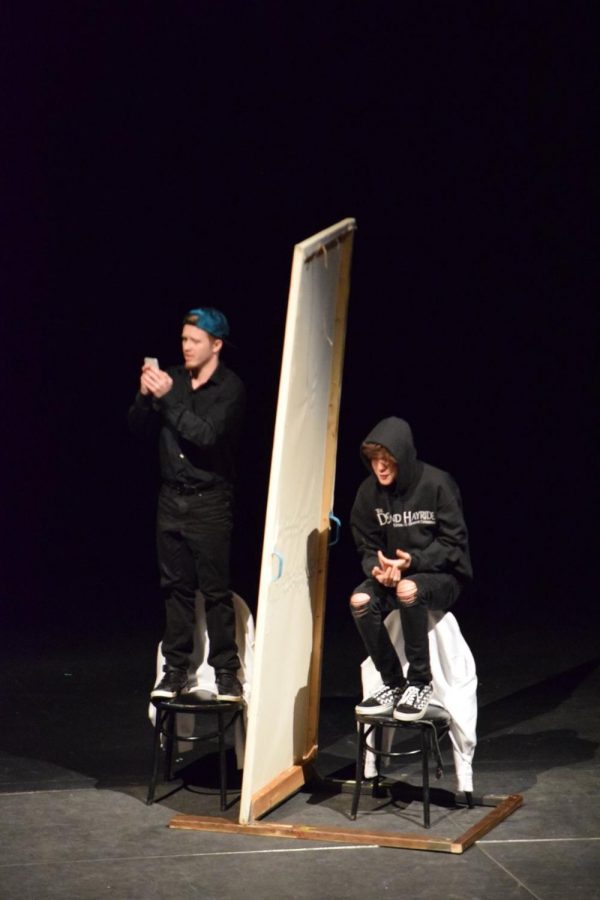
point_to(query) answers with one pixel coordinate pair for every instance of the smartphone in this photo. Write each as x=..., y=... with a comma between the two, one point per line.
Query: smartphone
x=151, y=361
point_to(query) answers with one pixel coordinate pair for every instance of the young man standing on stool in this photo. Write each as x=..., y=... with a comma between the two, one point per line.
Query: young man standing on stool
x=408, y=526
x=197, y=410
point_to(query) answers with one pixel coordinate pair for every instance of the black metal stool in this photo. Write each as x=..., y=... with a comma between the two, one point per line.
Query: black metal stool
x=432, y=727
x=166, y=712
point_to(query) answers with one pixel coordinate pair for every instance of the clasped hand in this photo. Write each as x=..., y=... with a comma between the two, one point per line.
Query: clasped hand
x=389, y=571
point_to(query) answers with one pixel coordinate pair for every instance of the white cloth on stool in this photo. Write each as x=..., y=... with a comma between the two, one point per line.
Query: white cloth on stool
x=202, y=677
x=454, y=683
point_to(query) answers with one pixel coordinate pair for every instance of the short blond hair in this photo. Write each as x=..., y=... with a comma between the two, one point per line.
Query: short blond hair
x=377, y=451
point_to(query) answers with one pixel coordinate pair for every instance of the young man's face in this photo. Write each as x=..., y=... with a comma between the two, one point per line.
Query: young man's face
x=198, y=346
x=385, y=470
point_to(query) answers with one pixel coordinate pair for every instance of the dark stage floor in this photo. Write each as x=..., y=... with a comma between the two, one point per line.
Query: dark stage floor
x=76, y=757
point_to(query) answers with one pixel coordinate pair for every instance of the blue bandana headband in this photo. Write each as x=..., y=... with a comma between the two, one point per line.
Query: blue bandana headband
x=211, y=320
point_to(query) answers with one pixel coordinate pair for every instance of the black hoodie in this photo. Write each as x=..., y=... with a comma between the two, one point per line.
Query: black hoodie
x=421, y=512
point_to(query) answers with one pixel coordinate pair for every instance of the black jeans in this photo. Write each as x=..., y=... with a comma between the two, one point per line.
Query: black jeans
x=434, y=591
x=193, y=536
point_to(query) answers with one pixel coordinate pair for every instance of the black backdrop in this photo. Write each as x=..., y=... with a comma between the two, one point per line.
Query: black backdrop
x=159, y=157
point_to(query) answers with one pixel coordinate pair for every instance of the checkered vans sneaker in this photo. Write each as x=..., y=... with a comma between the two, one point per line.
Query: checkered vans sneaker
x=413, y=703
x=381, y=703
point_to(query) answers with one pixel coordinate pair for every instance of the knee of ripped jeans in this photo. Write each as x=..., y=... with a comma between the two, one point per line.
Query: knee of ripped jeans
x=359, y=605
x=406, y=592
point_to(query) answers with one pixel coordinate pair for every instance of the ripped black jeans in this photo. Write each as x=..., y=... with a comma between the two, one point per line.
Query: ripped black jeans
x=434, y=591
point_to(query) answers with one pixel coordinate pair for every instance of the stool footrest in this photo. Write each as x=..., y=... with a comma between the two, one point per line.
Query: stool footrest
x=434, y=726
x=165, y=727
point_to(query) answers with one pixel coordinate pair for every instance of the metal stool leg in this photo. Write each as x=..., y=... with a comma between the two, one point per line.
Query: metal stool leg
x=359, y=773
x=222, y=760
x=377, y=744
x=169, y=730
x=425, y=748
x=155, y=758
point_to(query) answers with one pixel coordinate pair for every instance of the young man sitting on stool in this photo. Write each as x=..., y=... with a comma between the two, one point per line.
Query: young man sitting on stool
x=408, y=526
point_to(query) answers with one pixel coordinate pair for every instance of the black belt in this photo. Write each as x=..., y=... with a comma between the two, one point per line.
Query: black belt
x=186, y=490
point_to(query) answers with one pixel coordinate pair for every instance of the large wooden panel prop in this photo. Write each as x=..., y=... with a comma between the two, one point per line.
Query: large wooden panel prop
x=283, y=712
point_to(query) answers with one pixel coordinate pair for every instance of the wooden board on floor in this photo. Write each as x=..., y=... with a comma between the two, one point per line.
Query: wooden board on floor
x=507, y=805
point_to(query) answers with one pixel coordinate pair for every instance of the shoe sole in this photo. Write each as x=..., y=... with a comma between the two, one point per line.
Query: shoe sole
x=373, y=710
x=164, y=694
x=230, y=697
x=408, y=717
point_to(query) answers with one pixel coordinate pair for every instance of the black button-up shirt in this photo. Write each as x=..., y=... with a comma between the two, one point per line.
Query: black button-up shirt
x=198, y=428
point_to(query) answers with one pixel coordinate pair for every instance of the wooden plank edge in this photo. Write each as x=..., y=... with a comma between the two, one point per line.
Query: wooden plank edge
x=280, y=788
x=340, y=319
x=313, y=833
x=504, y=809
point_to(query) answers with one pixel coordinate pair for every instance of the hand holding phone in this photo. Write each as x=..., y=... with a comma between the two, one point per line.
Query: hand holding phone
x=146, y=385
x=153, y=380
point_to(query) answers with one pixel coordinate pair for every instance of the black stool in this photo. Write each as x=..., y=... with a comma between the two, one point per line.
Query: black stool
x=166, y=712
x=432, y=727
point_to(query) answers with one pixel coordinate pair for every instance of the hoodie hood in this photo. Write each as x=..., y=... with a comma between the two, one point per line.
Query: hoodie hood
x=396, y=436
